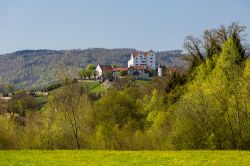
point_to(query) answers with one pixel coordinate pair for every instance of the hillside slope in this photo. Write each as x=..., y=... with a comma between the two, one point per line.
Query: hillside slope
x=37, y=68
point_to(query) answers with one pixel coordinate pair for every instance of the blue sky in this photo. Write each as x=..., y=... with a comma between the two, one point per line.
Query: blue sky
x=140, y=24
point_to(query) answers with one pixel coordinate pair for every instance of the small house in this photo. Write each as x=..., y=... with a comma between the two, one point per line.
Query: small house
x=105, y=72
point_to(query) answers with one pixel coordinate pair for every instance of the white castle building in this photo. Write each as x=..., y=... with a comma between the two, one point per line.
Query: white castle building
x=146, y=59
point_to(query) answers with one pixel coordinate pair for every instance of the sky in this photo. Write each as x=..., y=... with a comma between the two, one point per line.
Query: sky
x=141, y=24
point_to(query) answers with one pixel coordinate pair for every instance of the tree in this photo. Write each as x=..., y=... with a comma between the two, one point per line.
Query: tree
x=114, y=65
x=194, y=48
x=8, y=138
x=88, y=72
x=211, y=113
x=158, y=123
x=117, y=119
x=230, y=64
x=9, y=88
x=212, y=42
x=82, y=73
x=74, y=105
x=90, y=67
x=2, y=88
x=122, y=73
x=20, y=104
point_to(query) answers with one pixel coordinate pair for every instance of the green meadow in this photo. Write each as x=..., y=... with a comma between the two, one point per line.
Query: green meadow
x=92, y=86
x=92, y=157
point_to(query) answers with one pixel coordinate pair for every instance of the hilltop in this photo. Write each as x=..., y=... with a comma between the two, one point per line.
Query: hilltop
x=37, y=68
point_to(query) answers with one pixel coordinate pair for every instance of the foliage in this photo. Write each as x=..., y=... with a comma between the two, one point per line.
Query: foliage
x=214, y=110
x=212, y=43
x=122, y=73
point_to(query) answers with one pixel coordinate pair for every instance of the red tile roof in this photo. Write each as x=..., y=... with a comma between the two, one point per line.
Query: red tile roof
x=106, y=68
x=172, y=69
x=121, y=69
x=136, y=53
x=137, y=67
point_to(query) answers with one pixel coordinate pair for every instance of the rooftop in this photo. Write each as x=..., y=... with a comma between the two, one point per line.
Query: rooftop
x=121, y=69
x=106, y=67
x=136, y=53
x=137, y=67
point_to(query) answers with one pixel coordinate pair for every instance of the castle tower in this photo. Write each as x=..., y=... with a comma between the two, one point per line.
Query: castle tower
x=159, y=70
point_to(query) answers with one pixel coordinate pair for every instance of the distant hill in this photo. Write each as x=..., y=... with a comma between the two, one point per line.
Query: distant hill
x=37, y=68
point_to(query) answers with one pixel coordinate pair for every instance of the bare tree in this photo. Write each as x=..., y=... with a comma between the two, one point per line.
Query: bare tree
x=212, y=42
x=194, y=48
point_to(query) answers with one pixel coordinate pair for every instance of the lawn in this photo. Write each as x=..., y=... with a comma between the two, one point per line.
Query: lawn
x=93, y=86
x=91, y=157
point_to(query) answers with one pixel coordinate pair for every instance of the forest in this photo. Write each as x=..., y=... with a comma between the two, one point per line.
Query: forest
x=206, y=106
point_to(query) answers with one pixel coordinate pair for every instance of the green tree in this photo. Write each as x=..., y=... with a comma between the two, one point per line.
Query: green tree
x=115, y=66
x=74, y=105
x=90, y=67
x=214, y=108
x=117, y=118
x=10, y=88
x=212, y=42
x=158, y=120
x=82, y=73
x=122, y=73
x=88, y=72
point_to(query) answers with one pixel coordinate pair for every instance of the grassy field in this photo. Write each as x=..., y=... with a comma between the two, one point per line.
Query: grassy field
x=93, y=86
x=69, y=157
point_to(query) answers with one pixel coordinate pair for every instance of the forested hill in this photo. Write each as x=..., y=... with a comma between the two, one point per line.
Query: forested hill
x=37, y=68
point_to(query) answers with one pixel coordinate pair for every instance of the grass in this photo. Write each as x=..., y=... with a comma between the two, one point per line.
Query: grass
x=97, y=89
x=91, y=157
x=141, y=82
x=93, y=86
x=41, y=100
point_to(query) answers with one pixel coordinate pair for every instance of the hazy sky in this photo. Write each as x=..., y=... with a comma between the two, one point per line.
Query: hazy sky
x=140, y=24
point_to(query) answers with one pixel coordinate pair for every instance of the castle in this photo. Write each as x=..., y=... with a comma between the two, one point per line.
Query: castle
x=139, y=65
x=146, y=59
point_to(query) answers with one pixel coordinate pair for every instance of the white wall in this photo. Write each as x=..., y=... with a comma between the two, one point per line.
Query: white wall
x=151, y=60
x=98, y=70
x=159, y=71
x=131, y=61
x=141, y=60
